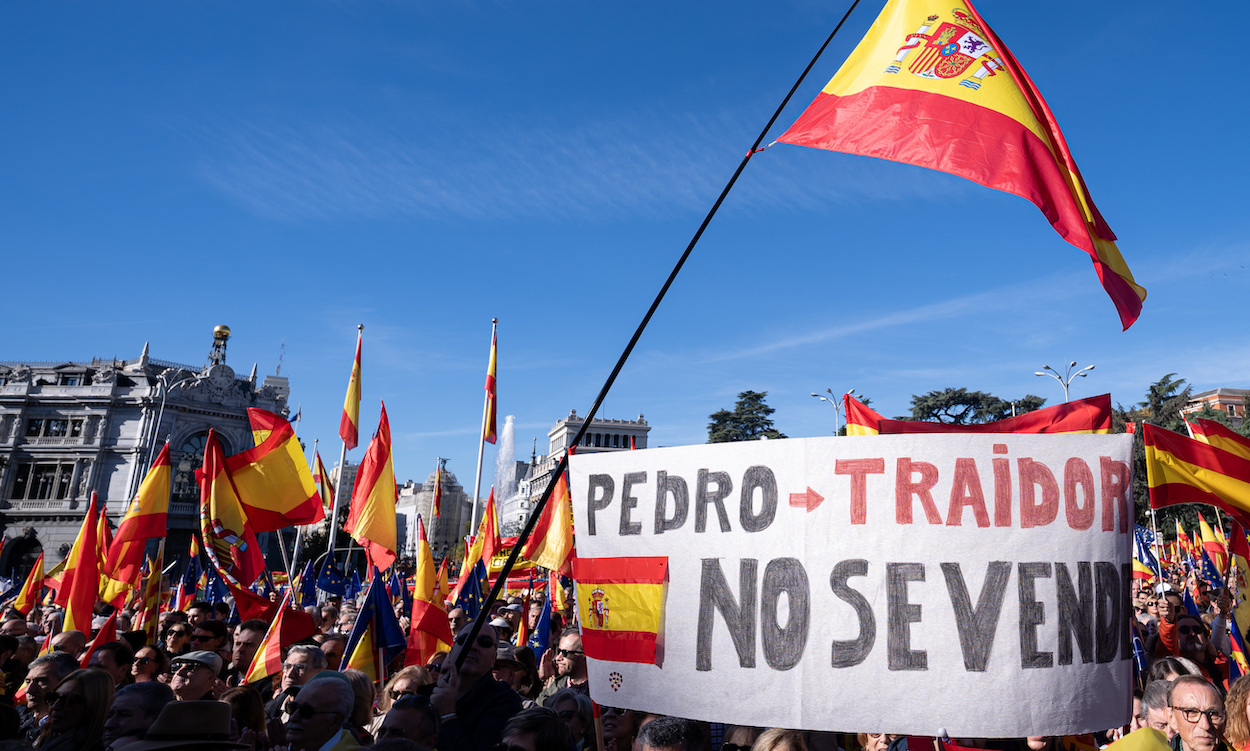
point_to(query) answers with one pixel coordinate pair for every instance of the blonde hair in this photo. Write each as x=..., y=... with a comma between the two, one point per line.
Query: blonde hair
x=774, y=737
x=1237, y=731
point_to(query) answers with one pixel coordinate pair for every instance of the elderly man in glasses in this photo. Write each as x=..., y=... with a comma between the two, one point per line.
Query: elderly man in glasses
x=472, y=706
x=316, y=719
x=1196, y=715
x=195, y=676
x=570, y=662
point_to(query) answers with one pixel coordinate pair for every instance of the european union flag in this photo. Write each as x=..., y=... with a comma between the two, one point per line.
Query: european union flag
x=1143, y=540
x=377, y=638
x=331, y=579
x=472, y=594
x=1210, y=573
x=354, y=586
x=216, y=589
x=540, y=640
x=305, y=592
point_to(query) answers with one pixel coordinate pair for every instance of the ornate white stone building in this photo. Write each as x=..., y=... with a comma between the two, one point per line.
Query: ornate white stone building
x=447, y=530
x=70, y=428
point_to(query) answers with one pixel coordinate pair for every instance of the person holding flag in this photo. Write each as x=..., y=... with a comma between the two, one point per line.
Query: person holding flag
x=473, y=706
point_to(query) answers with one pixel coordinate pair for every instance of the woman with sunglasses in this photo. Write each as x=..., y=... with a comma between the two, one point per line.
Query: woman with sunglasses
x=177, y=639
x=76, y=716
x=150, y=663
x=620, y=726
x=404, y=683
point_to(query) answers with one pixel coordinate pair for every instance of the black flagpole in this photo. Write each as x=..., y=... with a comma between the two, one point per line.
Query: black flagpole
x=502, y=579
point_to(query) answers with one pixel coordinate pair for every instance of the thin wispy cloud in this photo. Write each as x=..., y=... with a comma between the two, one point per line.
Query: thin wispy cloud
x=607, y=168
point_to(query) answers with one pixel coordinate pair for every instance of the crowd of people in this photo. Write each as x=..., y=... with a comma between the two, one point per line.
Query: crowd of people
x=187, y=690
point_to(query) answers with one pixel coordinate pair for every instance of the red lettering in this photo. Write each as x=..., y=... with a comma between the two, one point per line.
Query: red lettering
x=966, y=492
x=1114, y=494
x=859, y=469
x=1078, y=481
x=1032, y=512
x=1002, y=490
x=905, y=489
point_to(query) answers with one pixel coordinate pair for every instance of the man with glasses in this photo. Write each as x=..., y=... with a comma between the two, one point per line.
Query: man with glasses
x=472, y=706
x=212, y=636
x=315, y=719
x=570, y=663
x=195, y=676
x=1192, y=644
x=302, y=663
x=1197, y=715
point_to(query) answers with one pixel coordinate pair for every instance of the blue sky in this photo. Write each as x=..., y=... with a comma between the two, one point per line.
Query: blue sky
x=293, y=169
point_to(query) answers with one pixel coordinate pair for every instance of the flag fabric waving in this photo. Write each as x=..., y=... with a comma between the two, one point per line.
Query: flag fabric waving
x=1182, y=470
x=551, y=543
x=941, y=90
x=1211, y=544
x=29, y=593
x=272, y=479
x=80, y=584
x=349, y=423
x=371, y=521
x=228, y=537
x=377, y=637
x=330, y=579
x=438, y=488
x=287, y=627
x=1219, y=436
x=471, y=590
x=324, y=489
x=483, y=546
x=428, y=632
x=489, y=421
x=620, y=606
x=860, y=418
x=146, y=518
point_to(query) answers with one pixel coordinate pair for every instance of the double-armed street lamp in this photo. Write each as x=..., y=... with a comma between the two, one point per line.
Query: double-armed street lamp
x=836, y=403
x=1068, y=376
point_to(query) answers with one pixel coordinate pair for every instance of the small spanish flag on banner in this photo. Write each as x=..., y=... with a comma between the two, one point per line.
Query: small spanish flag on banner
x=620, y=605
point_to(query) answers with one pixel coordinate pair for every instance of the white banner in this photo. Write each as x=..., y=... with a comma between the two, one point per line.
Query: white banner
x=900, y=584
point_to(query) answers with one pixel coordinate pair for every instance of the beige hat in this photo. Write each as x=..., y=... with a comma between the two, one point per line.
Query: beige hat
x=202, y=724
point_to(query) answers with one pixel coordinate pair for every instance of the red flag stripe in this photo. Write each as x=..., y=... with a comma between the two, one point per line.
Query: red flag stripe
x=619, y=646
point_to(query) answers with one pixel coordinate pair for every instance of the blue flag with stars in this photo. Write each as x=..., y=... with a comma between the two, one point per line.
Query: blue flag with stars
x=540, y=640
x=331, y=579
x=474, y=591
x=354, y=586
x=305, y=591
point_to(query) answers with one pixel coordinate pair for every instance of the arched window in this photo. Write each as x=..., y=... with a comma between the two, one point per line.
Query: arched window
x=188, y=458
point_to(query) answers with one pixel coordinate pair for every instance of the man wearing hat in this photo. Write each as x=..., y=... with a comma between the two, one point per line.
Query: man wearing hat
x=195, y=676
x=509, y=670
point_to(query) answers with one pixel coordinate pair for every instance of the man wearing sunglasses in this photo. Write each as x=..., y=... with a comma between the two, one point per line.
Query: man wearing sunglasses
x=1197, y=715
x=570, y=663
x=316, y=718
x=1193, y=639
x=472, y=706
x=195, y=676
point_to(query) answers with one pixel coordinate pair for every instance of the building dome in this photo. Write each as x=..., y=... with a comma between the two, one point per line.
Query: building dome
x=449, y=480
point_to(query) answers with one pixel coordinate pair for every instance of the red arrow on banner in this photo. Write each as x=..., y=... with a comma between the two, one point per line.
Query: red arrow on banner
x=809, y=500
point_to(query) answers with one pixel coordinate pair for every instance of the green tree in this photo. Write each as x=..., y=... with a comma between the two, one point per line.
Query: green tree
x=749, y=420
x=964, y=407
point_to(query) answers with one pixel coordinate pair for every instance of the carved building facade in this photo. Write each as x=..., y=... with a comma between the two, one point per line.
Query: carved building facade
x=70, y=428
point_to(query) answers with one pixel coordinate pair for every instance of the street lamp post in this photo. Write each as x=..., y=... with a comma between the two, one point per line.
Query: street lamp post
x=835, y=403
x=1068, y=376
x=166, y=387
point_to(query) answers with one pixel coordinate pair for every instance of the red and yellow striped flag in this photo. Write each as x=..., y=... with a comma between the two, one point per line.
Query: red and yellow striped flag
x=1221, y=437
x=860, y=418
x=349, y=423
x=29, y=593
x=371, y=521
x=229, y=539
x=551, y=543
x=489, y=418
x=322, y=478
x=146, y=518
x=80, y=584
x=620, y=603
x=939, y=89
x=273, y=481
x=429, y=631
x=1212, y=545
x=288, y=626
x=1182, y=470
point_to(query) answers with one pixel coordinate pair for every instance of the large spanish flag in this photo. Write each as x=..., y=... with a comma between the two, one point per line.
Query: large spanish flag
x=932, y=85
x=1182, y=470
x=81, y=582
x=620, y=602
x=145, y=519
x=229, y=539
x=1221, y=437
x=349, y=423
x=371, y=521
x=551, y=543
x=274, y=483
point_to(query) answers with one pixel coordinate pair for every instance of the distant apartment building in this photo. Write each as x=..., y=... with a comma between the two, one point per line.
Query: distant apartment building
x=1231, y=402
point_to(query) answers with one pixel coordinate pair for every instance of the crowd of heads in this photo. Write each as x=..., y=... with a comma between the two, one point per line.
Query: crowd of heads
x=188, y=689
